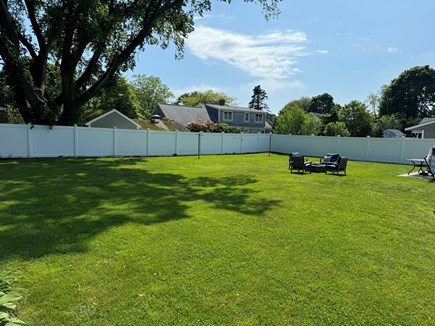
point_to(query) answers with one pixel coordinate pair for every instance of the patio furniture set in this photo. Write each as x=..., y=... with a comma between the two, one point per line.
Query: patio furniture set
x=330, y=163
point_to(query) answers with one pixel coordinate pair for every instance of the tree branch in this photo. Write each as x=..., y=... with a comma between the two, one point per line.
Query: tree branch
x=153, y=13
x=30, y=5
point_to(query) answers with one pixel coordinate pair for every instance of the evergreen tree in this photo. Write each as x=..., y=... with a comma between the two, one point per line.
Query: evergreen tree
x=258, y=99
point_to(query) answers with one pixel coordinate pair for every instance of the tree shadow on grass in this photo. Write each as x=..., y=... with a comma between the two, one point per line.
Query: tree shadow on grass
x=56, y=206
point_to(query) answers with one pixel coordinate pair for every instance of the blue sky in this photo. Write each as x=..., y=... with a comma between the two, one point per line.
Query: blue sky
x=348, y=49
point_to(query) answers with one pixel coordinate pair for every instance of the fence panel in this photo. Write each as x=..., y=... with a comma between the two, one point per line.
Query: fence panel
x=280, y=144
x=324, y=145
x=251, y=143
x=385, y=149
x=301, y=144
x=95, y=142
x=52, y=142
x=354, y=148
x=187, y=143
x=231, y=144
x=211, y=143
x=131, y=142
x=161, y=143
x=14, y=140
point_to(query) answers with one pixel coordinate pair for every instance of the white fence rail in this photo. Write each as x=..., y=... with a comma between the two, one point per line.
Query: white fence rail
x=42, y=141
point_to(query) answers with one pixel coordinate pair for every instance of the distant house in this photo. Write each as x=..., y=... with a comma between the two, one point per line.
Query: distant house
x=425, y=129
x=250, y=120
x=112, y=119
x=393, y=133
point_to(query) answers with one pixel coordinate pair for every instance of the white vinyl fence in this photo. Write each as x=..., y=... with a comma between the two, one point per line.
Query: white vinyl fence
x=20, y=141
x=389, y=150
x=42, y=141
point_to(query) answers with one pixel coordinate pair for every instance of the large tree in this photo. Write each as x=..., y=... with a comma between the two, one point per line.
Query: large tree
x=304, y=103
x=336, y=129
x=258, y=99
x=412, y=94
x=323, y=103
x=206, y=97
x=356, y=118
x=90, y=41
x=150, y=91
x=296, y=121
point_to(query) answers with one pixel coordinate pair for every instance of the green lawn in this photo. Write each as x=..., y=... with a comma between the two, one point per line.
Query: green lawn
x=220, y=240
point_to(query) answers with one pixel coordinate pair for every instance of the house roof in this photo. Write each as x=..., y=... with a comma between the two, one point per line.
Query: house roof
x=114, y=111
x=397, y=132
x=423, y=123
x=184, y=114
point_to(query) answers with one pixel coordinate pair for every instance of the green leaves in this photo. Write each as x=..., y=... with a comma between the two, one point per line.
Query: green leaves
x=412, y=93
x=91, y=41
x=7, y=298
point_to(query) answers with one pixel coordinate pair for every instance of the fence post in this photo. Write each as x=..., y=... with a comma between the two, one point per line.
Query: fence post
x=222, y=143
x=241, y=142
x=368, y=148
x=199, y=144
x=148, y=142
x=176, y=142
x=338, y=144
x=402, y=154
x=312, y=145
x=76, y=141
x=29, y=141
x=258, y=142
x=114, y=141
x=289, y=143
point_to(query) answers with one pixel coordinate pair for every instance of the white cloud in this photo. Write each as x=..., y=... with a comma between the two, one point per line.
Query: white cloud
x=392, y=50
x=272, y=55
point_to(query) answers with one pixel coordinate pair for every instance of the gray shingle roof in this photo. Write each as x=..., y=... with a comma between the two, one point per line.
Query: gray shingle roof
x=426, y=120
x=395, y=131
x=184, y=114
x=423, y=123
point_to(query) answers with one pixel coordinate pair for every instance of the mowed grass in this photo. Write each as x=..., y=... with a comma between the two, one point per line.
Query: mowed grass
x=220, y=240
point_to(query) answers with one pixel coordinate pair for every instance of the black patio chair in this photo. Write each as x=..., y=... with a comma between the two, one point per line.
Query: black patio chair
x=297, y=162
x=331, y=158
x=337, y=167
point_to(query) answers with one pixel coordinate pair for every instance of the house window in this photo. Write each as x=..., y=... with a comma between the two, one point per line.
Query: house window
x=246, y=117
x=228, y=116
x=258, y=117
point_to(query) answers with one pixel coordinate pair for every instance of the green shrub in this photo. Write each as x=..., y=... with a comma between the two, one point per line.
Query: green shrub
x=8, y=296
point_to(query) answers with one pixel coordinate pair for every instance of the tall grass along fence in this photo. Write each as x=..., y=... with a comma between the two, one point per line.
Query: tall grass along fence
x=17, y=141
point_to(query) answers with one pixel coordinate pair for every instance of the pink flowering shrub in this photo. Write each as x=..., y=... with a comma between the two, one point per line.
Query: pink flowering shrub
x=210, y=126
